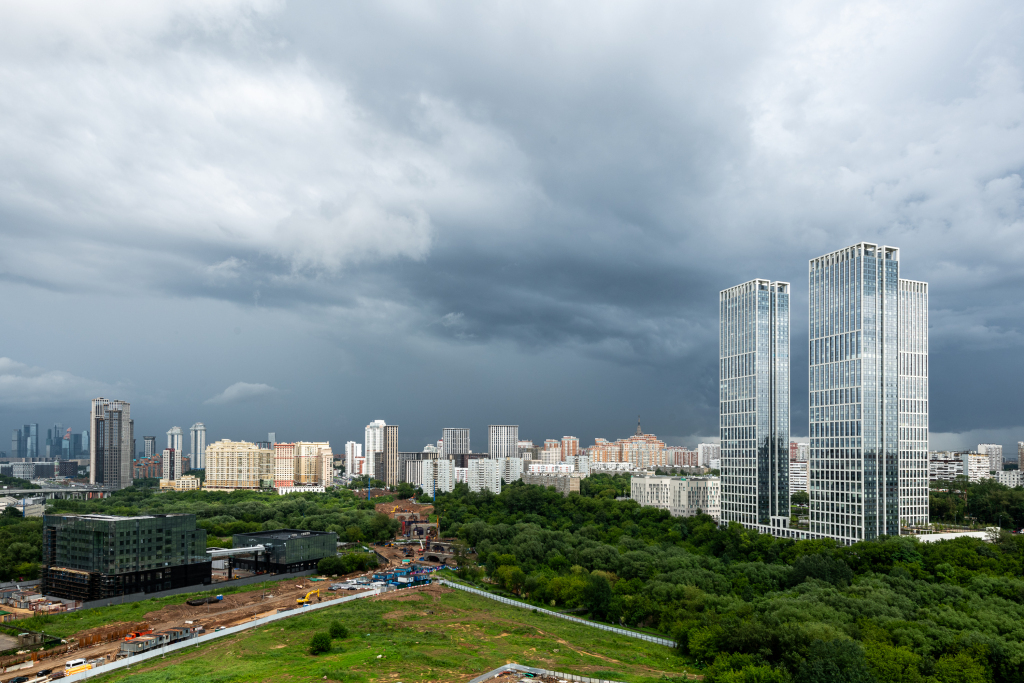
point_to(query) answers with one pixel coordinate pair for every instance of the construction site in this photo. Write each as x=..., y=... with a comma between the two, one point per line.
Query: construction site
x=103, y=644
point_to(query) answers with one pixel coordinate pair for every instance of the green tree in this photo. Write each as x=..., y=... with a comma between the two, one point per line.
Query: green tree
x=835, y=661
x=597, y=596
x=800, y=498
x=892, y=664
x=337, y=630
x=319, y=644
x=959, y=668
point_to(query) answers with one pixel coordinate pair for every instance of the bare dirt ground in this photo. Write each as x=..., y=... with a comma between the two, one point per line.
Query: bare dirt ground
x=233, y=610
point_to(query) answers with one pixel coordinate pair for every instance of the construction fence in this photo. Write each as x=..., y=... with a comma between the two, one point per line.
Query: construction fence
x=593, y=624
x=538, y=672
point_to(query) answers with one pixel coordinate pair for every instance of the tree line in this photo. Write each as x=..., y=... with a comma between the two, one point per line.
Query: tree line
x=750, y=607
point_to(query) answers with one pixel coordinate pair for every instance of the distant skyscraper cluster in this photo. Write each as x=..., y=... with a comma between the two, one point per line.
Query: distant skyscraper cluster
x=867, y=391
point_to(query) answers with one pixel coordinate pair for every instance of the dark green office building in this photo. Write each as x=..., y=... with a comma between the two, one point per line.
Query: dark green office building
x=286, y=550
x=91, y=557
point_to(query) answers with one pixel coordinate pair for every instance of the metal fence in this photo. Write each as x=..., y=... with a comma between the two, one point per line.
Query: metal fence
x=539, y=672
x=206, y=637
x=593, y=624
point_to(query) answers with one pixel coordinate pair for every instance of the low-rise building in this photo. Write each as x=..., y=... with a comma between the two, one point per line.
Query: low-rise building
x=91, y=557
x=285, y=550
x=681, y=496
x=186, y=482
x=798, y=476
x=564, y=482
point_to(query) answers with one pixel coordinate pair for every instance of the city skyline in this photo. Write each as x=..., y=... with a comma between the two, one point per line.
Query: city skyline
x=527, y=245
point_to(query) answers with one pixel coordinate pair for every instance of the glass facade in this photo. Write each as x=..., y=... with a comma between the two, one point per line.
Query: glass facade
x=867, y=331
x=913, y=402
x=754, y=403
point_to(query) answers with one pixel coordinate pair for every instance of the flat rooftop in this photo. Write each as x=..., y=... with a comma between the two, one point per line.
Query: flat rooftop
x=285, y=534
x=117, y=518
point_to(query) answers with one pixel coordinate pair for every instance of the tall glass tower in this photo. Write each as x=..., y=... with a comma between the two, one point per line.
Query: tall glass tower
x=868, y=354
x=913, y=402
x=754, y=403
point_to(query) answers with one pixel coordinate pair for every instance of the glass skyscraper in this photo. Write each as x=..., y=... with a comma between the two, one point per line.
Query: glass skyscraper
x=913, y=402
x=754, y=403
x=868, y=355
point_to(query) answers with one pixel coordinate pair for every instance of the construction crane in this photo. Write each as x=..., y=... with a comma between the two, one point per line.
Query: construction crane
x=306, y=600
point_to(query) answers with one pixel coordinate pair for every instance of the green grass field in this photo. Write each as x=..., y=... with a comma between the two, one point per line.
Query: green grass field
x=412, y=637
x=70, y=623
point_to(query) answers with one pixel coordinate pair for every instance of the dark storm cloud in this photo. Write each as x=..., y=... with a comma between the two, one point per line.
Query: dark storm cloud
x=502, y=182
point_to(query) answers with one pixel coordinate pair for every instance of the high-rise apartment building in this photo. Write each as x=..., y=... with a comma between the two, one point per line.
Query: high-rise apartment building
x=174, y=438
x=353, y=451
x=868, y=389
x=112, y=446
x=754, y=404
x=16, y=443
x=484, y=474
x=373, y=444
x=197, y=453
x=234, y=465
x=172, y=464
x=994, y=452
x=392, y=471
x=502, y=441
x=149, y=446
x=570, y=447
x=455, y=441
x=706, y=452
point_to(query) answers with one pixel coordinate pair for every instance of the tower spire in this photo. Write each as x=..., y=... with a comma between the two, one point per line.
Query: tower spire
x=638, y=432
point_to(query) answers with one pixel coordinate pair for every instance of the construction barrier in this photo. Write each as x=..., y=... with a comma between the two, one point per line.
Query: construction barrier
x=593, y=624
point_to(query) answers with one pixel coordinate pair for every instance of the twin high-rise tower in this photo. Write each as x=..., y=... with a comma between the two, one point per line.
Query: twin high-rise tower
x=867, y=391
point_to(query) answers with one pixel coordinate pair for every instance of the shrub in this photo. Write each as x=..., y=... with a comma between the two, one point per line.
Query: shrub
x=338, y=630
x=320, y=643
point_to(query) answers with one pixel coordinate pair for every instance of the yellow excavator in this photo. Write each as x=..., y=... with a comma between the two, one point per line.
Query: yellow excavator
x=306, y=600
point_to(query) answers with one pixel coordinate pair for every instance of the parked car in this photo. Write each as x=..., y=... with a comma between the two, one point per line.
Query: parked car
x=44, y=672
x=19, y=679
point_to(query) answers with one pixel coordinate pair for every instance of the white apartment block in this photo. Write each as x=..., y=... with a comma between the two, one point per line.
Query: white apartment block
x=706, y=452
x=353, y=450
x=944, y=466
x=461, y=475
x=234, y=465
x=798, y=477
x=994, y=452
x=551, y=456
x=511, y=469
x=455, y=441
x=536, y=467
x=502, y=441
x=580, y=463
x=484, y=475
x=433, y=476
x=597, y=467
x=171, y=464
x=976, y=467
x=373, y=442
x=681, y=496
x=1011, y=478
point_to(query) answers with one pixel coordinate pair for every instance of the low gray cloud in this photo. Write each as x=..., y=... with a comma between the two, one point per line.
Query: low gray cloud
x=454, y=183
x=23, y=385
x=240, y=392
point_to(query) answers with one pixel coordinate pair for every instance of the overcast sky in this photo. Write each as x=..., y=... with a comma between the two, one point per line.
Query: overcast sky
x=303, y=217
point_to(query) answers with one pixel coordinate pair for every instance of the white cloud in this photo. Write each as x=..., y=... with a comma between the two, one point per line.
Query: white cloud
x=25, y=386
x=242, y=391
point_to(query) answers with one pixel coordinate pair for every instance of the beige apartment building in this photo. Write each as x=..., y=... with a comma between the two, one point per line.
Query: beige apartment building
x=234, y=465
x=303, y=463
